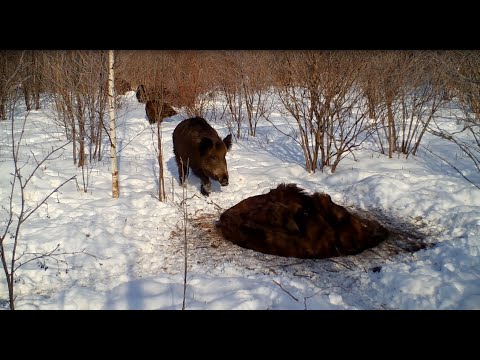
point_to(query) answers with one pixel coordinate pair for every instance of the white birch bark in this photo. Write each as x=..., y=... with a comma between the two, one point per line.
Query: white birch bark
x=113, y=134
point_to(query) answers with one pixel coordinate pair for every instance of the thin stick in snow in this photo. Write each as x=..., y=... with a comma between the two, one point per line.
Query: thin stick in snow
x=453, y=166
x=185, y=247
x=281, y=287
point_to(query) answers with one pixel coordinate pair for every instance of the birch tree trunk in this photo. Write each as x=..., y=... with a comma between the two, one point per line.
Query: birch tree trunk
x=161, y=177
x=113, y=135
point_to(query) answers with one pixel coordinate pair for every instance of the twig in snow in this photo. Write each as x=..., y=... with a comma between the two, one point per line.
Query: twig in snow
x=215, y=204
x=185, y=243
x=281, y=287
x=453, y=166
x=308, y=297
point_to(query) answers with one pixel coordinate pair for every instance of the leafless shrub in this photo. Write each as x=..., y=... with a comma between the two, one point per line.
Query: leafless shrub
x=256, y=81
x=17, y=210
x=78, y=80
x=244, y=79
x=32, y=83
x=461, y=70
x=319, y=91
x=404, y=91
x=13, y=66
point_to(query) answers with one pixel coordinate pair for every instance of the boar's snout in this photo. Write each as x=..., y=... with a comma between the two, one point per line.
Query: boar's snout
x=224, y=181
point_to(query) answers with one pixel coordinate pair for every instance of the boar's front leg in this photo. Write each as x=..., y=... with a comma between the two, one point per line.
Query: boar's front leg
x=206, y=186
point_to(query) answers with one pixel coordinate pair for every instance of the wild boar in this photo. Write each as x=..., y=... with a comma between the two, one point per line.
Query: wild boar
x=155, y=93
x=157, y=111
x=141, y=94
x=196, y=145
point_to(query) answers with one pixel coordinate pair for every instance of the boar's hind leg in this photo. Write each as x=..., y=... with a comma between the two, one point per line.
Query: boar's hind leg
x=206, y=187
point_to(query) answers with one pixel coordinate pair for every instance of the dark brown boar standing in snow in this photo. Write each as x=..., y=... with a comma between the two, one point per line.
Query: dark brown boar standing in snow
x=288, y=222
x=157, y=110
x=141, y=94
x=155, y=92
x=196, y=145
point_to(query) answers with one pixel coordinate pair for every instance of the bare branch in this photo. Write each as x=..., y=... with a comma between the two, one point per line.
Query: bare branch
x=281, y=287
x=41, y=162
x=453, y=167
x=45, y=199
x=52, y=254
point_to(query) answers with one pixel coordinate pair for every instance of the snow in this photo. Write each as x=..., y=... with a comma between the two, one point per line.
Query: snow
x=127, y=253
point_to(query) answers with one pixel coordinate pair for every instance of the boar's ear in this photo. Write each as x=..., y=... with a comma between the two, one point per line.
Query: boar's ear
x=205, y=144
x=228, y=141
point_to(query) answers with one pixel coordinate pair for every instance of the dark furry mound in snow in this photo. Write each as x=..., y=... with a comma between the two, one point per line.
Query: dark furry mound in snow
x=288, y=222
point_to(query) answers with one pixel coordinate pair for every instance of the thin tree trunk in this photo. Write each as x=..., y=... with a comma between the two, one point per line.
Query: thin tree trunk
x=98, y=144
x=26, y=95
x=425, y=126
x=81, y=130
x=74, y=132
x=36, y=81
x=391, y=124
x=161, y=177
x=371, y=107
x=113, y=135
x=92, y=141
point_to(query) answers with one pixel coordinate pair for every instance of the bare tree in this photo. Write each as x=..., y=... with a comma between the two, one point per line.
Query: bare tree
x=193, y=80
x=31, y=84
x=230, y=68
x=404, y=91
x=461, y=71
x=111, y=113
x=319, y=91
x=426, y=98
x=12, y=71
x=19, y=213
x=256, y=81
x=78, y=84
x=185, y=239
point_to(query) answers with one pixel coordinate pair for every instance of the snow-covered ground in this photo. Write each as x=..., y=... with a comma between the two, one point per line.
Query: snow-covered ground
x=133, y=246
